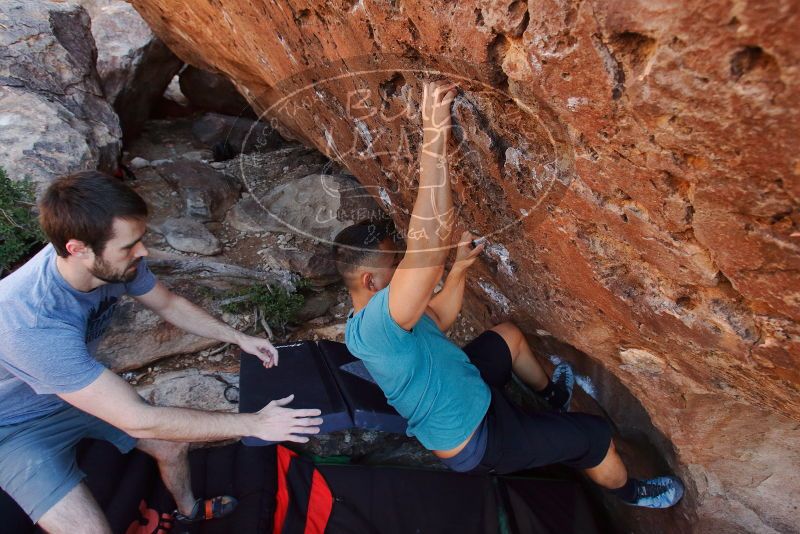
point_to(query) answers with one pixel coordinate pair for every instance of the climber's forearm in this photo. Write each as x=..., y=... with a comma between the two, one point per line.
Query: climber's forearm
x=447, y=303
x=432, y=218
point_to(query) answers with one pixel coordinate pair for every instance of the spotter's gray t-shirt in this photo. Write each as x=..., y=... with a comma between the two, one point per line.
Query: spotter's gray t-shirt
x=49, y=333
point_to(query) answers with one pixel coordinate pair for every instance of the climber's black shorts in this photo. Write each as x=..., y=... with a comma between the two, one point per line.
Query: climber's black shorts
x=518, y=440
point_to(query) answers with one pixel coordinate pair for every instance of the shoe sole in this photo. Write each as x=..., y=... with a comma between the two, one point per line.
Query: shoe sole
x=565, y=368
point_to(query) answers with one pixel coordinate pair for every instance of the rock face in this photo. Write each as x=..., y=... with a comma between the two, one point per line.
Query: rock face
x=214, y=92
x=193, y=389
x=206, y=194
x=137, y=337
x=634, y=164
x=316, y=265
x=134, y=65
x=317, y=206
x=189, y=235
x=53, y=117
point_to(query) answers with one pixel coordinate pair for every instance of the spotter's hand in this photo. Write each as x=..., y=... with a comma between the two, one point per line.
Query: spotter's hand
x=275, y=422
x=260, y=347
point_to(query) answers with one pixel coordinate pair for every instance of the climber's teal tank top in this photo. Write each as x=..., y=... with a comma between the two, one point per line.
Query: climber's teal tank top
x=425, y=376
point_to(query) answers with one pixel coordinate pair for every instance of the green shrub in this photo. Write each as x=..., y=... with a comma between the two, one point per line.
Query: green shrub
x=19, y=229
x=274, y=303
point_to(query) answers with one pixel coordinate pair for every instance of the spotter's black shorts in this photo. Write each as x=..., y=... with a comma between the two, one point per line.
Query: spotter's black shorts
x=518, y=440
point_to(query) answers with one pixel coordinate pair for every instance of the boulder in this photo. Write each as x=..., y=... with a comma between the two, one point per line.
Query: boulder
x=241, y=134
x=39, y=139
x=314, y=264
x=206, y=194
x=139, y=163
x=189, y=235
x=316, y=304
x=213, y=92
x=247, y=216
x=135, y=67
x=137, y=337
x=331, y=332
x=54, y=117
x=329, y=204
x=173, y=104
x=260, y=172
x=173, y=92
x=192, y=388
x=198, y=155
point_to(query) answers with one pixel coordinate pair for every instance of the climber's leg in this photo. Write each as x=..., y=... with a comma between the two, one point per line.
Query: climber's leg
x=611, y=472
x=658, y=492
x=523, y=361
x=503, y=349
x=519, y=440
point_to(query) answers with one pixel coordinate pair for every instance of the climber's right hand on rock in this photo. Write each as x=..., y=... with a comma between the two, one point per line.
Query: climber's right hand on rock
x=275, y=422
x=437, y=98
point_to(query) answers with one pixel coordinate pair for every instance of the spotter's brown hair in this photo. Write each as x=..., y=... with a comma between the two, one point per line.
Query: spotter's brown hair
x=83, y=206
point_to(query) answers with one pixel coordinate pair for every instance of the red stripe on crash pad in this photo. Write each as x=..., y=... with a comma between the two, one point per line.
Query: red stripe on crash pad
x=320, y=504
x=282, y=495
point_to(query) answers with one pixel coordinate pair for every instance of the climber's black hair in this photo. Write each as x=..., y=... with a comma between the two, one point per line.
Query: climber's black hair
x=358, y=244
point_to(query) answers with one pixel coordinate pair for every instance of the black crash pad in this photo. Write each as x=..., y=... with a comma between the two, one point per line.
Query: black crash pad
x=301, y=371
x=321, y=375
x=366, y=499
x=129, y=489
x=364, y=398
x=400, y=500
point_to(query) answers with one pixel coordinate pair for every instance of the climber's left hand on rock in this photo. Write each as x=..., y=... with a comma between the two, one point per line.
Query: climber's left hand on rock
x=437, y=100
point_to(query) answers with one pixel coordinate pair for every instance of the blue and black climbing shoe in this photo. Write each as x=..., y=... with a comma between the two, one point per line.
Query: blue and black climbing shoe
x=659, y=492
x=558, y=392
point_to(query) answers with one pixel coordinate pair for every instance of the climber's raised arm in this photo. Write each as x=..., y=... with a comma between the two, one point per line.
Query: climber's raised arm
x=431, y=225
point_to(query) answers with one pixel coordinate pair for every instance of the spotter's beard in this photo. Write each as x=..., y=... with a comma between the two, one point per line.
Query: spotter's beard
x=103, y=271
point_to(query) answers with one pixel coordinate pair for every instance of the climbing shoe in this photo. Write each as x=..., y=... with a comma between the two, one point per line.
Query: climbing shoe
x=204, y=510
x=563, y=380
x=659, y=492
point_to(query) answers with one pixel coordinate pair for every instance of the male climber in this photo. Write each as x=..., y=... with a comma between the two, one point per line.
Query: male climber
x=452, y=397
x=53, y=312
